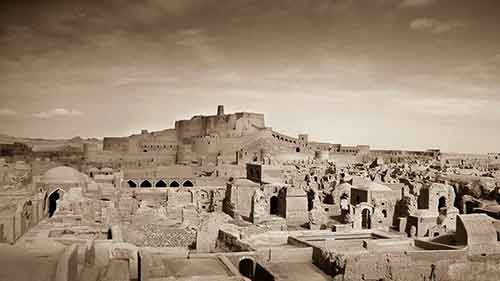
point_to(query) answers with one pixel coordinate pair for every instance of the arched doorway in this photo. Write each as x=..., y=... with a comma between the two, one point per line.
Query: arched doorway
x=53, y=198
x=441, y=202
x=365, y=219
x=161, y=183
x=132, y=184
x=174, y=184
x=187, y=183
x=246, y=267
x=274, y=205
x=146, y=183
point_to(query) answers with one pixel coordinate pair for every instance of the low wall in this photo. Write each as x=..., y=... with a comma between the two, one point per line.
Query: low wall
x=406, y=265
x=231, y=242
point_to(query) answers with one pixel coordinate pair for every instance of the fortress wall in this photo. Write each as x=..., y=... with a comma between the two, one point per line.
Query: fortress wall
x=116, y=144
x=342, y=160
x=294, y=156
x=155, y=141
x=465, y=158
x=102, y=157
x=189, y=128
x=146, y=159
x=185, y=154
x=157, y=147
x=284, y=139
x=205, y=144
x=94, y=154
x=319, y=146
x=222, y=125
x=228, y=125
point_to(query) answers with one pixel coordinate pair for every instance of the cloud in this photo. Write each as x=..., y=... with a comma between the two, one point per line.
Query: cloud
x=434, y=25
x=57, y=112
x=7, y=112
x=200, y=43
x=451, y=106
x=495, y=59
x=417, y=3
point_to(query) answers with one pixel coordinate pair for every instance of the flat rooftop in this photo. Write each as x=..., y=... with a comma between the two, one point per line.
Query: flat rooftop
x=297, y=272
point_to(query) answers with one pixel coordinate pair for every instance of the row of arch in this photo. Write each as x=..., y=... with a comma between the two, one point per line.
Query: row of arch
x=285, y=139
x=159, y=184
x=159, y=146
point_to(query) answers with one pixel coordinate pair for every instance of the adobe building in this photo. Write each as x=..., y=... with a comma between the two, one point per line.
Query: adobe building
x=373, y=204
x=263, y=196
x=436, y=213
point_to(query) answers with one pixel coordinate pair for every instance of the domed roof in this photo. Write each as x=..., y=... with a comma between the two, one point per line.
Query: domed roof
x=63, y=174
x=93, y=169
x=107, y=170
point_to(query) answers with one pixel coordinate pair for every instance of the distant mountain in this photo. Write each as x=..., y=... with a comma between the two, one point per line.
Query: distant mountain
x=39, y=144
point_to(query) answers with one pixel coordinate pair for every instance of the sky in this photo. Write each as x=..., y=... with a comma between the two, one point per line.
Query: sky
x=394, y=74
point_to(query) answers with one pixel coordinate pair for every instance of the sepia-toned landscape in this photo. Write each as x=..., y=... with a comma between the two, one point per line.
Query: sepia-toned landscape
x=218, y=140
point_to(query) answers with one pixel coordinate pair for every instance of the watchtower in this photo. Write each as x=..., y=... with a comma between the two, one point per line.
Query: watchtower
x=220, y=110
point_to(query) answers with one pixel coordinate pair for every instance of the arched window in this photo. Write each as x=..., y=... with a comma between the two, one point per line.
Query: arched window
x=174, y=184
x=297, y=149
x=161, y=183
x=188, y=183
x=146, y=183
x=132, y=184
